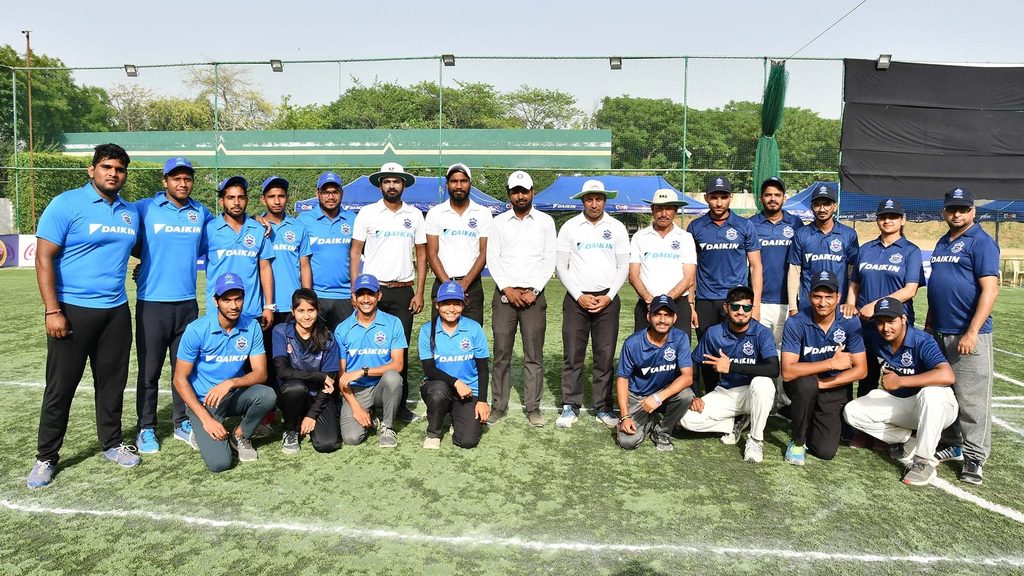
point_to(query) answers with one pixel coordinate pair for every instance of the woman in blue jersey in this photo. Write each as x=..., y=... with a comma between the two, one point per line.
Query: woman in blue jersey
x=454, y=353
x=306, y=362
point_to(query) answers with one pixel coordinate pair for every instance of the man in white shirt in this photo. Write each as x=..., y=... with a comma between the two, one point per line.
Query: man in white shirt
x=457, y=233
x=592, y=263
x=663, y=260
x=385, y=234
x=521, y=259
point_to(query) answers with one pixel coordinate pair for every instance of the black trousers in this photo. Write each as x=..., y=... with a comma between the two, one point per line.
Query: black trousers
x=294, y=400
x=682, y=315
x=158, y=330
x=579, y=326
x=103, y=336
x=869, y=382
x=395, y=301
x=441, y=400
x=709, y=313
x=816, y=415
x=474, y=300
x=268, y=338
x=334, y=311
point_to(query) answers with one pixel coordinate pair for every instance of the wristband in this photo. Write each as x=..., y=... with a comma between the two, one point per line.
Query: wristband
x=52, y=312
x=271, y=307
x=657, y=398
x=626, y=417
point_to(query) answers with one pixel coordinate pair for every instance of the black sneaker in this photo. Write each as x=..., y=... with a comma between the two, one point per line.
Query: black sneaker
x=971, y=472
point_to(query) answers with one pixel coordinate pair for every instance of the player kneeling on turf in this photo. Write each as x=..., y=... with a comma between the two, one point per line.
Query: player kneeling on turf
x=654, y=377
x=209, y=376
x=915, y=393
x=743, y=354
x=453, y=350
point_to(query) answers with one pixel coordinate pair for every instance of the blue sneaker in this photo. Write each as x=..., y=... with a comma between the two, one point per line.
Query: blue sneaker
x=950, y=454
x=607, y=418
x=147, y=442
x=566, y=418
x=184, y=433
x=41, y=474
x=123, y=455
x=795, y=454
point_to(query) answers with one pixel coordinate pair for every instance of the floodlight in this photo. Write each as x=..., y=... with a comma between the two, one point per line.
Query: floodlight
x=131, y=70
x=615, y=62
x=448, y=59
x=883, y=61
x=276, y=65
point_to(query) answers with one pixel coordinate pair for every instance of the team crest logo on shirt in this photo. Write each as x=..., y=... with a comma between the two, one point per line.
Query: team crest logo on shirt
x=957, y=248
x=407, y=223
x=907, y=358
x=126, y=217
x=787, y=231
x=670, y=354
x=192, y=216
x=465, y=344
x=346, y=229
x=249, y=240
x=675, y=244
x=839, y=336
x=896, y=258
x=748, y=348
x=607, y=235
x=289, y=236
x=472, y=222
x=241, y=343
x=379, y=337
x=730, y=234
x=836, y=245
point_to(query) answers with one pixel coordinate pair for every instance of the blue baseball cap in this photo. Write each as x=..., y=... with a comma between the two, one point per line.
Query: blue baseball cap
x=958, y=196
x=274, y=182
x=662, y=302
x=233, y=181
x=328, y=178
x=826, y=279
x=451, y=290
x=226, y=282
x=773, y=181
x=888, y=307
x=173, y=164
x=366, y=282
x=890, y=206
x=825, y=191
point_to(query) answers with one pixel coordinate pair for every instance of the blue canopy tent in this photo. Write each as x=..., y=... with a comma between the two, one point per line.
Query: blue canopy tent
x=425, y=193
x=632, y=191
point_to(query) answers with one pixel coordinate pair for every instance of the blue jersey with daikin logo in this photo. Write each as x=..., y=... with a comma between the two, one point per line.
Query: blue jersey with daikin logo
x=753, y=346
x=456, y=353
x=722, y=254
x=96, y=238
x=240, y=253
x=775, y=240
x=171, y=240
x=918, y=354
x=814, y=251
x=953, y=288
x=369, y=346
x=650, y=368
x=217, y=354
x=330, y=241
x=803, y=336
x=290, y=242
x=882, y=270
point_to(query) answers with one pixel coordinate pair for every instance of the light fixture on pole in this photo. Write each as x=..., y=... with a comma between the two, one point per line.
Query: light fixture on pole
x=448, y=59
x=131, y=70
x=276, y=65
x=883, y=61
x=615, y=62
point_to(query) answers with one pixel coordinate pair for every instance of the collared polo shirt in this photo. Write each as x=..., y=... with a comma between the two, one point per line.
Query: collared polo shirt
x=593, y=250
x=814, y=251
x=390, y=238
x=661, y=259
x=458, y=235
x=775, y=239
x=918, y=354
x=722, y=254
x=650, y=368
x=216, y=354
x=330, y=241
x=96, y=238
x=521, y=252
x=456, y=353
x=953, y=289
x=882, y=270
x=290, y=243
x=802, y=336
x=239, y=253
x=753, y=346
x=369, y=346
x=170, y=242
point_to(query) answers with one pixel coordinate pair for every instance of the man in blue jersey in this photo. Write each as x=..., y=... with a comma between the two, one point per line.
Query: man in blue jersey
x=915, y=394
x=743, y=354
x=237, y=243
x=822, y=353
x=373, y=348
x=289, y=241
x=824, y=245
x=330, y=240
x=726, y=245
x=170, y=241
x=654, y=378
x=961, y=292
x=776, y=229
x=84, y=239
x=211, y=380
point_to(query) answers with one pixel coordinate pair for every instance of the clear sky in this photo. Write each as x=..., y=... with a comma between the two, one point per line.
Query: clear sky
x=103, y=34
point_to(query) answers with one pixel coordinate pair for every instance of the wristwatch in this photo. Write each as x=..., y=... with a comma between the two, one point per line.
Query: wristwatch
x=271, y=307
x=535, y=291
x=366, y=371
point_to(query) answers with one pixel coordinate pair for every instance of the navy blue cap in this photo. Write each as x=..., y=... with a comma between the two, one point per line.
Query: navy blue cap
x=825, y=191
x=366, y=282
x=328, y=178
x=773, y=181
x=450, y=290
x=959, y=196
x=274, y=182
x=888, y=307
x=173, y=164
x=662, y=302
x=826, y=279
x=227, y=281
x=233, y=181
x=719, y=184
x=890, y=206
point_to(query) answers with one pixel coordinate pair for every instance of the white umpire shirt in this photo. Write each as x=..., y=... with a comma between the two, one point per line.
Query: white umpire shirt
x=389, y=238
x=593, y=251
x=458, y=236
x=521, y=253
x=661, y=259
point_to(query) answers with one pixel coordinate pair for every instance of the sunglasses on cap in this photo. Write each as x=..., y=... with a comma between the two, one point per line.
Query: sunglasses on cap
x=736, y=307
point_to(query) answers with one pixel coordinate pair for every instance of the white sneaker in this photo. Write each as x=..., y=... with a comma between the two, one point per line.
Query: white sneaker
x=754, y=451
x=432, y=443
x=566, y=418
x=740, y=423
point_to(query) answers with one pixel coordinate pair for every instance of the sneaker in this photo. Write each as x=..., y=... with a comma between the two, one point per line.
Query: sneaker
x=147, y=442
x=41, y=474
x=432, y=443
x=607, y=418
x=662, y=441
x=920, y=473
x=388, y=438
x=184, y=433
x=739, y=424
x=566, y=418
x=754, y=451
x=290, y=442
x=950, y=454
x=536, y=418
x=406, y=415
x=124, y=455
x=497, y=414
x=795, y=455
x=245, y=449
x=971, y=472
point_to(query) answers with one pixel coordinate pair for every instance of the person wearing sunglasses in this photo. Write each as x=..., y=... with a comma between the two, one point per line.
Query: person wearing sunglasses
x=743, y=355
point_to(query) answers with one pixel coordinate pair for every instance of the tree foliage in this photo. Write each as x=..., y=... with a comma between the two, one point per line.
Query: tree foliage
x=240, y=104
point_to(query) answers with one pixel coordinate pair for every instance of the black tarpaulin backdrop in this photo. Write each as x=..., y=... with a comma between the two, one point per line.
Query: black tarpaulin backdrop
x=916, y=130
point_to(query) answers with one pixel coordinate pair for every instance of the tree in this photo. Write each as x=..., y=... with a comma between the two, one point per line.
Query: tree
x=537, y=108
x=240, y=105
x=180, y=114
x=130, y=103
x=646, y=133
x=309, y=117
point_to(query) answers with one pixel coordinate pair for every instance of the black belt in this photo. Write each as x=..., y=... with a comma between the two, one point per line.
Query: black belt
x=598, y=293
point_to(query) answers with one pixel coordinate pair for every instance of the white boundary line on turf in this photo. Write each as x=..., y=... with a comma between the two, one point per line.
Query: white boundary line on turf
x=1006, y=398
x=945, y=486
x=1003, y=423
x=478, y=540
x=1008, y=352
x=1008, y=379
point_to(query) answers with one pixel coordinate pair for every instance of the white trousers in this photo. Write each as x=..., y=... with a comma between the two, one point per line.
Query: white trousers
x=722, y=405
x=773, y=317
x=892, y=419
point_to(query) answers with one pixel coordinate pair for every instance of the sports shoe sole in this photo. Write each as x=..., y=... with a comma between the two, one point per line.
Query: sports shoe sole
x=563, y=424
x=971, y=479
x=920, y=482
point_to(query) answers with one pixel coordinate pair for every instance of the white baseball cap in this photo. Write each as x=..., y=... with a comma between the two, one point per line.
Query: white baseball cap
x=520, y=179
